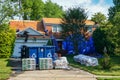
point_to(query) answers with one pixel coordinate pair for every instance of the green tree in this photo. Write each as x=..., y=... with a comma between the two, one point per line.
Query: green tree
x=32, y=9
x=7, y=10
x=7, y=37
x=102, y=38
x=114, y=10
x=52, y=10
x=74, y=20
x=99, y=18
x=114, y=18
x=37, y=9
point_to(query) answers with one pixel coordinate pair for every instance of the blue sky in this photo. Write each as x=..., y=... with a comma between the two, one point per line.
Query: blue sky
x=91, y=6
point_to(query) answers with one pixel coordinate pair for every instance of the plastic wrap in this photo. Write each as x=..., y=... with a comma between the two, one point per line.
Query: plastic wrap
x=28, y=64
x=86, y=60
x=45, y=63
x=61, y=63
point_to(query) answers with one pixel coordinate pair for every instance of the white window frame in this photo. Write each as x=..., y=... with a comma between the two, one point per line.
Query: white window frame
x=56, y=28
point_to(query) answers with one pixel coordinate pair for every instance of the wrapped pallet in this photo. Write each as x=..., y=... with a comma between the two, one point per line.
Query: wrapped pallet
x=86, y=60
x=28, y=64
x=61, y=63
x=45, y=63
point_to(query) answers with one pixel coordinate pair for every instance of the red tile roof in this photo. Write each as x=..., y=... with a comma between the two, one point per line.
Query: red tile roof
x=52, y=20
x=89, y=22
x=59, y=20
x=23, y=24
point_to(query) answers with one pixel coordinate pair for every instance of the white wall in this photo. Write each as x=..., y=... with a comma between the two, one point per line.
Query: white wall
x=30, y=43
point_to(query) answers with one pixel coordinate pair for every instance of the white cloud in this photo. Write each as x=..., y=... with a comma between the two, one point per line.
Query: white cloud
x=88, y=5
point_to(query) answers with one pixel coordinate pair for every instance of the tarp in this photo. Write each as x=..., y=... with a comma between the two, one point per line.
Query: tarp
x=84, y=46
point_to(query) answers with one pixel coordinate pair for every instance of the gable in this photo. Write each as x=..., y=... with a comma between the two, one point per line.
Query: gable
x=30, y=32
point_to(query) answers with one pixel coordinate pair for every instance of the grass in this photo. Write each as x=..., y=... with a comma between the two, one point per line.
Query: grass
x=5, y=70
x=114, y=71
x=108, y=78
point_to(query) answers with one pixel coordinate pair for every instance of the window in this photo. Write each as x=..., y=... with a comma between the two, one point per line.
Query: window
x=56, y=28
x=89, y=28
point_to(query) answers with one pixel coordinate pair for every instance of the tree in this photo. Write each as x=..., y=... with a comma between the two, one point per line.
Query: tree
x=7, y=10
x=7, y=38
x=52, y=10
x=37, y=9
x=74, y=20
x=114, y=18
x=32, y=9
x=114, y=10
x=99, y=18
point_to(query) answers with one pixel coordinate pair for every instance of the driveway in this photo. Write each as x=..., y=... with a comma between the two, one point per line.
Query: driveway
x=71, y=74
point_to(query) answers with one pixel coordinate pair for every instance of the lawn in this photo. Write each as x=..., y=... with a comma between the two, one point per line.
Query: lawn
x=108, y=78
x=115, y=70
x=5, y=70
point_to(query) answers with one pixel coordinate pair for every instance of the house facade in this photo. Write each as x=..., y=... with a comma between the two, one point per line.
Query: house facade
x=39, y=32
x=34, y=39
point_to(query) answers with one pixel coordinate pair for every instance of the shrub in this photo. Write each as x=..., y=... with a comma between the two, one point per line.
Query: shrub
x=106, y=63
x=7, y=37
x=102, y=37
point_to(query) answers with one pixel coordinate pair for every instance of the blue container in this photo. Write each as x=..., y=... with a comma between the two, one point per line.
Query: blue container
x=33, y=53
x=41, y=51
x=49, y=52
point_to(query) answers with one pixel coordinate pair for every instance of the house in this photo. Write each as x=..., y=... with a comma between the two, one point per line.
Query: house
x=36, y=39
x=37, y=33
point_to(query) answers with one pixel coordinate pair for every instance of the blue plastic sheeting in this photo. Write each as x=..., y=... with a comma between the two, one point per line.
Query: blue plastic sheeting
x=68, y=45
x=84, y=46
x=87, y=46
x=54, y=43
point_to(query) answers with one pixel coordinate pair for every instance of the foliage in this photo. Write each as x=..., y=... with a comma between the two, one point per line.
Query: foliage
x=105, y=62
x=74, y=20
x=7, y=37
x=5, y=70
x=99, y=18
x=99, y=38
x=7, y=10
x=52, y=10
x=114, y=10
x=37, y=9
x=50, y=43
x=114, y=18
x=32, y=9
x=104, y=37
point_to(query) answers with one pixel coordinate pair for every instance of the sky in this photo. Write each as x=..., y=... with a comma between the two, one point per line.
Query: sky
x=90, y=6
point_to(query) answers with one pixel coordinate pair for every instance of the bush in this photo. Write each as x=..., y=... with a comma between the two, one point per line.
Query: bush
x=102, y=37
x=106, y=63
x=99, y=38
x=7, y=37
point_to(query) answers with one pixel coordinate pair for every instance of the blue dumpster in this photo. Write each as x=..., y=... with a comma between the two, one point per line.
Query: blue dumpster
x=49, y=52
x=33, y=53
x=42, y=52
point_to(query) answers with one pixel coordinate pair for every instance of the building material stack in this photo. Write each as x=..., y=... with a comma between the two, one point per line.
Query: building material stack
x=45, y=63
x=28, y=64
x=61, y=63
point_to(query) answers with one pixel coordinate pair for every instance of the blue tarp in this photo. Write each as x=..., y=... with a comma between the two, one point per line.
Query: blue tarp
x=84, y=46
